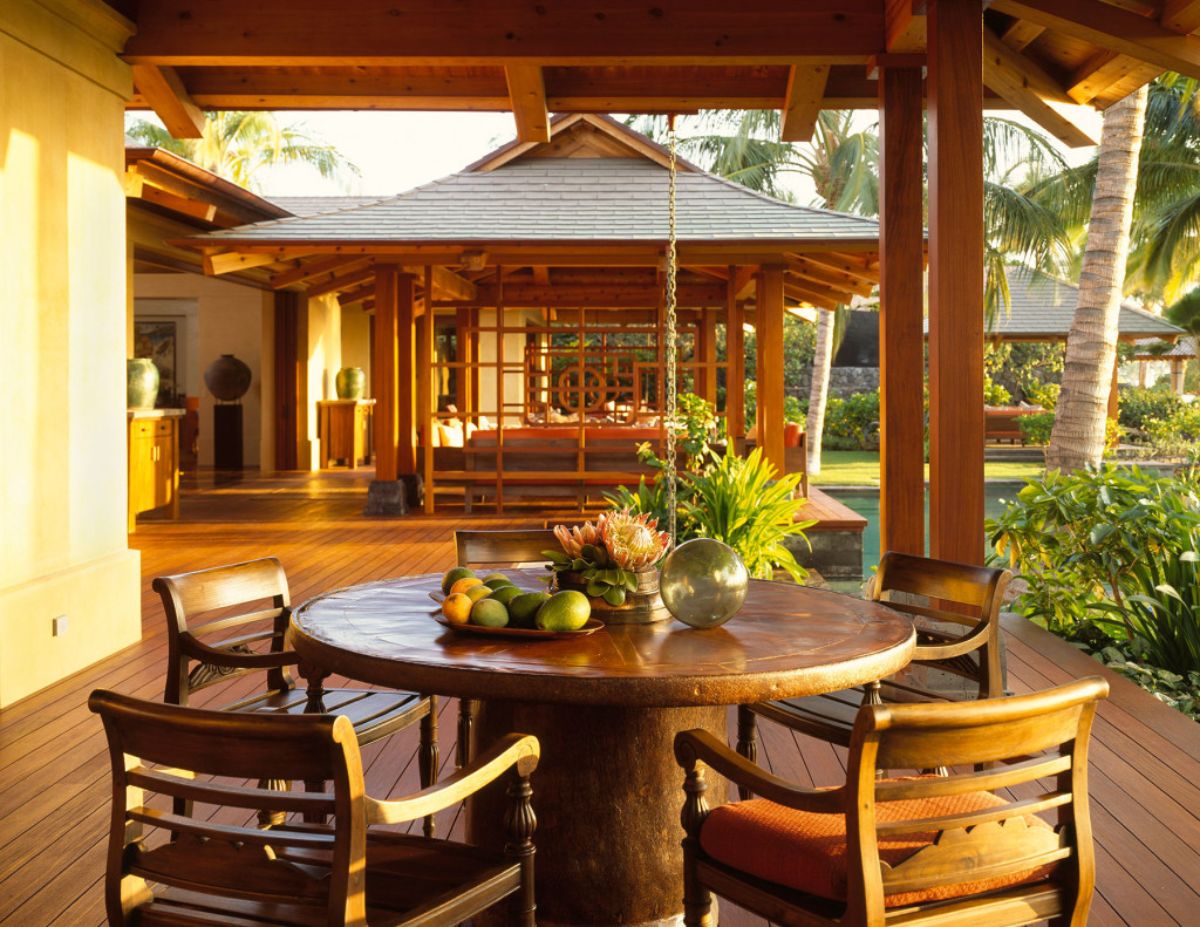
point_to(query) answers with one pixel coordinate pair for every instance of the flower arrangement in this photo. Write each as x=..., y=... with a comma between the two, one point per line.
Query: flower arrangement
x=608, y=555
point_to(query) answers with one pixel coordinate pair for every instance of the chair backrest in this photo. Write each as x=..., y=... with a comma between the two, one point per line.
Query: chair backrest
x=510, y=548
x=938, y=594
x=1021, y=740
x=162, y=748
x=224, y=646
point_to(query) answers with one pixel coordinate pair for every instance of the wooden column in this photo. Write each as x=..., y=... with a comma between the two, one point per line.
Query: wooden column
x=287, y=379
x=386, y=364
x=1114, y=397
x=735, y=372
x=426, y=388
x=406, y=376
x=901, y=291
x=955, y=93
x=706, y=354
x=463, y=397
x=769, y=327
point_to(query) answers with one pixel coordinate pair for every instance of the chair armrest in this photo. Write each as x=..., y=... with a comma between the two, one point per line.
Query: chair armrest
x=954, y=646
x=227, y=658
x=699, y=745
x=519, y=750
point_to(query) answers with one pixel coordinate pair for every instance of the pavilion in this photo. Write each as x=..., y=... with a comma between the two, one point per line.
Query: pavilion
x=526, y=294
x=82, y=63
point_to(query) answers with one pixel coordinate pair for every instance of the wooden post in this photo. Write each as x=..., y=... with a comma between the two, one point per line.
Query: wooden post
x=463, y=396
x=1114, y=395
x=385, y=495
x=735, y=370
x=426, y=388
x=406, y=424
x=287, y=376
x=901, y=339
x=706, y=376
x=769, y=325
x=955, y=92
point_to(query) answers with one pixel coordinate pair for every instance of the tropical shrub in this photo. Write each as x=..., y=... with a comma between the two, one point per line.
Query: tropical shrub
x=1036, y=427
x=1176, y=434
x=1180, y=691
x=1110, y=553
x=1139, y=405
x=743, y=502
x=852, y=424
x=1042, y=394
x=994, y=394
x=794, y=408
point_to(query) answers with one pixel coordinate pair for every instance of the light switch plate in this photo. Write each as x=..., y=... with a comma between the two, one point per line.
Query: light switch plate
x=60, y=626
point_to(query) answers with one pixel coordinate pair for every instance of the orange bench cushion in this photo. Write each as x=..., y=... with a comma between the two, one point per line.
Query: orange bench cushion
x=807, y=851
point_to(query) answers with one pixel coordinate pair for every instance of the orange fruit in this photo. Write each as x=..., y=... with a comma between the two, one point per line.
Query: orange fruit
x=457, y=607
x=467, y=582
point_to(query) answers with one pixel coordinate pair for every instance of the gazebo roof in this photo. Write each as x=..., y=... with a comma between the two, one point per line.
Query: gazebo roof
x=1041, y=308
x=1155, y=349
x=558, y=195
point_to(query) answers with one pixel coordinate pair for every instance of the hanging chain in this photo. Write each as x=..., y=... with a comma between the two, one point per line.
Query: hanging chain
x=671, y=337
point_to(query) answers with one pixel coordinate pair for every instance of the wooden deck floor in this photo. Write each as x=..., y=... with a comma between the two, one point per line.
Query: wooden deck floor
x=53, y=768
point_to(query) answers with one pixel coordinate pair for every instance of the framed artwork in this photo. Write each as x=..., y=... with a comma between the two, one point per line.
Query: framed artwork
x=157, y=339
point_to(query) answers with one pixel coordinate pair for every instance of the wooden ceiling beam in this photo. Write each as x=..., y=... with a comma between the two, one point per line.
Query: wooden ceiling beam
x=813, y=298
x=590, y=295
x=1182, y=16
x=1021, y=34
x=313, y=270
x=828, y=277
x=802, y=101
x=163, y=90
x=343, y=283
x=527, y=94
x=1025, y=85
x=233, y=33
x=226, y=262
x=197, y=209
x=350, y=297
x=453, y=285
x=1111, y=27
x=904, y=26
x=846, y=263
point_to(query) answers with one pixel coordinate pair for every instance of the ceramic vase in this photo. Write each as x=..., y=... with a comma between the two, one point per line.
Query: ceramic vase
x=141, y=383
x=227, y=378
x=350, y=382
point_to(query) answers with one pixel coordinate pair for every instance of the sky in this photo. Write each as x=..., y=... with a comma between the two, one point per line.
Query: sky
x=396, y=151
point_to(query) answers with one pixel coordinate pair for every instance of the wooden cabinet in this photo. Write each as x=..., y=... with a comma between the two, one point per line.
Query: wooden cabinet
x=344, y=427
x=153, y=461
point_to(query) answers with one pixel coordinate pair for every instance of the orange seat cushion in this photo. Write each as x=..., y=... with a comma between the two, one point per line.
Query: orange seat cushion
x=807, y=851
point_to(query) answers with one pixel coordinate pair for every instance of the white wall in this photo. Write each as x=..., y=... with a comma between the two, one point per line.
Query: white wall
x=230, y=320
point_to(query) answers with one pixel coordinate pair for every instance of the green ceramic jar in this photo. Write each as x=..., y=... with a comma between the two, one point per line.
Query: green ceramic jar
x=141, y=383
x=351, y=382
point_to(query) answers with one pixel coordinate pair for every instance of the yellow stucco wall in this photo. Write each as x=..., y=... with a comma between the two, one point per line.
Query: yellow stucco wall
x=323, y=344
x=63, y=546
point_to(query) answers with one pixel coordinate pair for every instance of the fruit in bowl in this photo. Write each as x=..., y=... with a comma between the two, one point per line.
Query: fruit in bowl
x=568, y=610
x=453, y=575
x=489, y=613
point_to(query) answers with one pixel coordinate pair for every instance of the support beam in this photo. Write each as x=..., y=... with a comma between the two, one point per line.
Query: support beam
x=735, y=357
x=905, y=26
x=406, y=376
x=313, y=270
x=802, y=103
x=768, y=320
x=345, y=282
x=385, y=495
x=228, y=261
x=527, y=93
x=1114, y=28
x=1182, y=16
x=955, y=93
x=707, y=376
x=901, y=335
x=1028, y=87
x=166, y=95
x=1020, y=34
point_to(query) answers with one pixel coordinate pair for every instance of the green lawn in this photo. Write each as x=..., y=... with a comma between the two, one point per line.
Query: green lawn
x=861, y=468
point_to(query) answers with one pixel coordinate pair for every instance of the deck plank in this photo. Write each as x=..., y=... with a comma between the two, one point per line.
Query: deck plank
x=53, y=763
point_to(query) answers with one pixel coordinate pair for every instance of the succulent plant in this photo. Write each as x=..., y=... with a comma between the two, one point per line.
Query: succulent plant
x=633, y=541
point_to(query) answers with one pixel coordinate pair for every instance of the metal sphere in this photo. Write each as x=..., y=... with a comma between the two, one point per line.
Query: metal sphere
x=703, y=582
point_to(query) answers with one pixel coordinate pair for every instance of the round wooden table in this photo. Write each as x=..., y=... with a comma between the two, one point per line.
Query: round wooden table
x=606, y=708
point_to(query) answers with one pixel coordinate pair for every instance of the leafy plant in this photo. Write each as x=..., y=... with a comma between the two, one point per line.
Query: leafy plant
x=1175, y=435
x=742, y=502
x=1036, y=427
x=1042, y=394
x=1180, y=691
x=695, y=423
x=1158, y=611
x=1139, y=405
x=994, y=394
x=649, y=499
x=852, y=424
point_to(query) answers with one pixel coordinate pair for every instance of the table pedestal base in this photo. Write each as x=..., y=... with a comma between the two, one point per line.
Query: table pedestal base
x=607, y=794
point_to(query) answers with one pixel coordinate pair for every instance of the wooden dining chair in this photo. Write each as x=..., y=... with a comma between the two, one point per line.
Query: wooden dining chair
x=203, y=650
x=949, y=664
x=969, y=848
x=172, y=870
x=502, y=548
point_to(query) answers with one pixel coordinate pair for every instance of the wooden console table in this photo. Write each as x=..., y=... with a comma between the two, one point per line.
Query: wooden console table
x=153, y=461
x=344, y=428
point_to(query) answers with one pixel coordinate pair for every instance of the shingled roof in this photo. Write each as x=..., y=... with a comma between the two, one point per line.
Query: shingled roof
x=551, y=198
x=1042, y=309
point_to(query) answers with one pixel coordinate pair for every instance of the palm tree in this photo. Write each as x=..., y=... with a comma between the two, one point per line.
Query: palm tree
x=1081, y=417
x=843, y=165
x=237, y=145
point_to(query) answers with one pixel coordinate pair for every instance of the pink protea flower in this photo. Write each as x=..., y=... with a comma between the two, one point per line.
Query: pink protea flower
x=634, y=541
x=573, y=540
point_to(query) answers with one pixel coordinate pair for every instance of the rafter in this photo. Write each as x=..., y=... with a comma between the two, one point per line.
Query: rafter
x=313, y=270
x=1021, y=34
x=1182, y=16
x=802, y=103
x=342, y=283
x=1030, y=89
x=904, y=26
x=846, y=263
x=1114, y=28
x=527, y=94
x=226, y=262
x=166, y=95
x=808, y=271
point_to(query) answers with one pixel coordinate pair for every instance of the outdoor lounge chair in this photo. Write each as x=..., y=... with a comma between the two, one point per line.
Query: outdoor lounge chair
x=221, y=870
x=948, y=665
x=969, y=848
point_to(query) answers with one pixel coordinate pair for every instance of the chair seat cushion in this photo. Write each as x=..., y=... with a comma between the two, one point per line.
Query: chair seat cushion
x=807, y=851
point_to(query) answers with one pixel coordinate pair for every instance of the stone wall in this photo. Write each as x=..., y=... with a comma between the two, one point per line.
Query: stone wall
x=843, y=382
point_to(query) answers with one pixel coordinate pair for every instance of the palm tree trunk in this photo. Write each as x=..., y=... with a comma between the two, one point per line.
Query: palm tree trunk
x=1082, y=413
x=818, y=390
